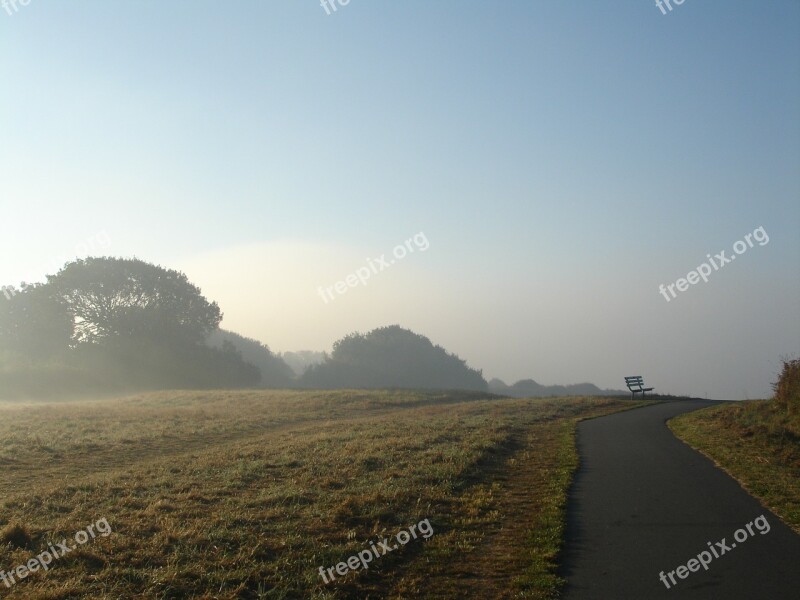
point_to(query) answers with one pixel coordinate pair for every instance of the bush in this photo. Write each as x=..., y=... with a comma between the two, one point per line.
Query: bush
x=787, y=389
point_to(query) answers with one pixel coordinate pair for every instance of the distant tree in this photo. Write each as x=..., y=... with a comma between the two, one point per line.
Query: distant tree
x=115, y=324
x=301, y=360
x=275, y=373
x=34, y=323
x=116, y=297
x=528, y=388
x=392, y=357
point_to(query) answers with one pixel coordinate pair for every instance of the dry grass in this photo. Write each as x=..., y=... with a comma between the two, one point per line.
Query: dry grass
x=247, y=494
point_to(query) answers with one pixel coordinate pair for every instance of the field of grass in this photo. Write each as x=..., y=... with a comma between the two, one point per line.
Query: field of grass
x=757, y=443
x=246, y=494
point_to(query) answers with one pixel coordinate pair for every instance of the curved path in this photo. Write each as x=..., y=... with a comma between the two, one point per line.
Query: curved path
x=644, y=502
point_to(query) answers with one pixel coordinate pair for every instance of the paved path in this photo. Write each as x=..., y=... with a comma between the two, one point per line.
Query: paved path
x=644, y=502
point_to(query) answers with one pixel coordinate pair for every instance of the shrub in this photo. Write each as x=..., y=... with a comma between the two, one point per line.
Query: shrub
x=787, y=389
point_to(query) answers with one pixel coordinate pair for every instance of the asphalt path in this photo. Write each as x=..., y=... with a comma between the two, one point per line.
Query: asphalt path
x=644, y=502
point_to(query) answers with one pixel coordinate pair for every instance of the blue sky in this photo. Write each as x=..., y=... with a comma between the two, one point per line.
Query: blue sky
x=562, y=158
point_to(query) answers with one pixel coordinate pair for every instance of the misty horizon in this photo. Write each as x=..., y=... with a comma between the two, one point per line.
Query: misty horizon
x=574, y=192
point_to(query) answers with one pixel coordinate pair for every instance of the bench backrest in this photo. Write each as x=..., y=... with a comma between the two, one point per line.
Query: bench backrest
x=635, y=381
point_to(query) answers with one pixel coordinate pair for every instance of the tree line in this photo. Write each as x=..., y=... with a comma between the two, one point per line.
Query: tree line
x=112, y=324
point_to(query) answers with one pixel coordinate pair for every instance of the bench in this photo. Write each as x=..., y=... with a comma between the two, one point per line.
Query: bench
x=635, y=384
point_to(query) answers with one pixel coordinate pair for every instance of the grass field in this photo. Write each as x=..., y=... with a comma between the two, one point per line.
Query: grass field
x=758, y=444
x=246, y=494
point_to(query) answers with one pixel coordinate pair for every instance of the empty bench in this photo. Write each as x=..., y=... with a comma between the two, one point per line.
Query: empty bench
x=635, y=384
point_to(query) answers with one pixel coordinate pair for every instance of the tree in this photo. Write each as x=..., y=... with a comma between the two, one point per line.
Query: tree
x=275, y=373
x=392, y=357
x=103, y=324
x=34, y=323
x=116, y=297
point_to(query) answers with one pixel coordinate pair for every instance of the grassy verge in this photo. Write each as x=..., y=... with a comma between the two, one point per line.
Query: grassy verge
x=508, y=533
x=246, y=494
x=757, y=443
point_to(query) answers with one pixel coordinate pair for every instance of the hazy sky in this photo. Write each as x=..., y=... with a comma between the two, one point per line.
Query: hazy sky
x=560, y=160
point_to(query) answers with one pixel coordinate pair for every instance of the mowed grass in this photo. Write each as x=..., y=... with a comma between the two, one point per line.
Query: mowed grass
x=758, y=444
x=246, y=494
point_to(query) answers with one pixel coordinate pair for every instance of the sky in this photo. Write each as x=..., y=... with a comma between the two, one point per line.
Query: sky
x=544, y=167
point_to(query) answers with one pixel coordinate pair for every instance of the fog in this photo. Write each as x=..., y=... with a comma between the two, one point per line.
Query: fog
x=560, y=163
